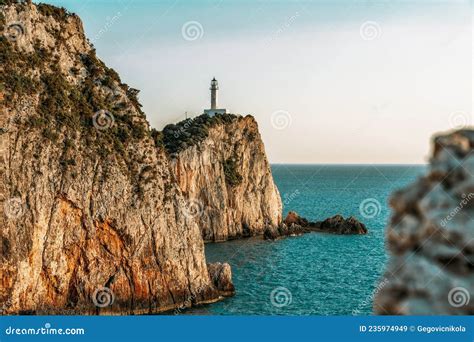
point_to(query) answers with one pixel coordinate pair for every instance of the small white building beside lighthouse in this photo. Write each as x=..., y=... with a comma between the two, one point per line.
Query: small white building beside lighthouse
x=214, y=100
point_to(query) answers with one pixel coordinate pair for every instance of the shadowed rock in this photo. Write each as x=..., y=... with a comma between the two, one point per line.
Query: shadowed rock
x=294, y=225
x=430, y=237
x=339, y=225
x=221, y=275
x=294, y=219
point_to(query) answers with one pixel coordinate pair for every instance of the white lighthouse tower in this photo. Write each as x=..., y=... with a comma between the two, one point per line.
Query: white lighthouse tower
x=214, y=90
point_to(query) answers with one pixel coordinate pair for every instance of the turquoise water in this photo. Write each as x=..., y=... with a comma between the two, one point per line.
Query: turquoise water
x=315, y=274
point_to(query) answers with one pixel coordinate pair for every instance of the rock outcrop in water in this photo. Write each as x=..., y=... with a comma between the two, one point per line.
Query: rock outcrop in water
x=431, y=238
x=221, y=275
x=339, y=225
x=221, y=168
x=92, y=219
x=295, y=225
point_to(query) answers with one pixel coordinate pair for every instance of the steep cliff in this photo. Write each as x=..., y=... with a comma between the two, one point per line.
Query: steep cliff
x=222, y=170
x=91, y=219
x=431, y=236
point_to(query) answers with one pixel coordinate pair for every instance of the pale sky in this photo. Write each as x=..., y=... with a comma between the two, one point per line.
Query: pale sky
x=328, y=81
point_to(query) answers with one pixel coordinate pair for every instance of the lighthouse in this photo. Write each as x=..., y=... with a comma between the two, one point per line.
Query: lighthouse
x=214, y=88
x=214, y=91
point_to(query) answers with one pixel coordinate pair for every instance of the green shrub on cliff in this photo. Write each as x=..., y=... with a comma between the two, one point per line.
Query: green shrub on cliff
x=64, y=107
x=157, y=137
x=232, y=175
x=190, y=132
x=16, y=76
x=58, y=13
x=13, y=2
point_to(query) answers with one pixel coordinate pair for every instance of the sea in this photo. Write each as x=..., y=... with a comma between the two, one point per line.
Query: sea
x=316, y=273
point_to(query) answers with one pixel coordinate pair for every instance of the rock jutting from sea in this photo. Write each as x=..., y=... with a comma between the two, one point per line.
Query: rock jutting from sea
x=294, y=225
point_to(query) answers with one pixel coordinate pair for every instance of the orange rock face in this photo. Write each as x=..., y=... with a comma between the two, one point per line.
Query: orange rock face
x=92, y=221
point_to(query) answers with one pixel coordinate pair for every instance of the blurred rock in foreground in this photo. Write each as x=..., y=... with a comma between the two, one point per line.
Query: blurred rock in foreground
x=430, y=237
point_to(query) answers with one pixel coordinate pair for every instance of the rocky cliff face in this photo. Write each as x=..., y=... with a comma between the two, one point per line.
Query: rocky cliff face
x=431, y=236
x=91, y=218
x=227, y=179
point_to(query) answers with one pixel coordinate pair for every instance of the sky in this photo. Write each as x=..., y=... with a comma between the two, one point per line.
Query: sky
x=359, y=81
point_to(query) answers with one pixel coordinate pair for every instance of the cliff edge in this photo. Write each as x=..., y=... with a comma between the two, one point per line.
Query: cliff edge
x=222, y=170
x=91, y=218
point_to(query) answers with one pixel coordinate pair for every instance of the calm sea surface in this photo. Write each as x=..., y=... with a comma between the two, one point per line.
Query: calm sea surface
x=315, y=274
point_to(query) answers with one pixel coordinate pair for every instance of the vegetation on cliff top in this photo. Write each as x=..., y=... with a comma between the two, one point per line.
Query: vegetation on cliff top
x=65, y=110
x=177, y=137
x=190, y=132
x=12, y=2
x=58, y=13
